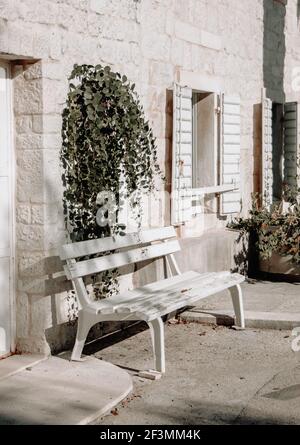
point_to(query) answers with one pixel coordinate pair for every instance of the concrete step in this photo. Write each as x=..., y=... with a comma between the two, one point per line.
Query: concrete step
x=253, y=319
x=15, y=363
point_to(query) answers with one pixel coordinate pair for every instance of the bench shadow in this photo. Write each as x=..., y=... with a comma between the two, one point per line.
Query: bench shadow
x=127, y=330
x=132, y=329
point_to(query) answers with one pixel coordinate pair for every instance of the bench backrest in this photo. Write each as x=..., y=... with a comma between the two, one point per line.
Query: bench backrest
x=135, y=247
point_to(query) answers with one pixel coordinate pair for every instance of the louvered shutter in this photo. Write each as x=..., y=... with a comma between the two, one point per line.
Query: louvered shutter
x=291, y=167
x=181, y=205
x=267, y=151
x=230, y=153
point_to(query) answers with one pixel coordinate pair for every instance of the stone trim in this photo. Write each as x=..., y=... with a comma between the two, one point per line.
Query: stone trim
x=192, y=34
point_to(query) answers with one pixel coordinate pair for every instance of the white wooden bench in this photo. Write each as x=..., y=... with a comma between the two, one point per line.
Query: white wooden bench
x=150, y=302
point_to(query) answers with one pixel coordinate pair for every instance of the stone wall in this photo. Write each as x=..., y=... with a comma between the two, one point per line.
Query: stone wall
x=153, y=42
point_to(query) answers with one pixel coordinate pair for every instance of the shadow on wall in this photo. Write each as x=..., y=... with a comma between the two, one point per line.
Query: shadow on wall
x=298, y=9
x=274, y=50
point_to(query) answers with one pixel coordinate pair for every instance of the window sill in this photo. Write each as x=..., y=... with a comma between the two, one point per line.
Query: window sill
x=195, y=193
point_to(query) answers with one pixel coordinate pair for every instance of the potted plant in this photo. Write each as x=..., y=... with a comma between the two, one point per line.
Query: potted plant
x=274, y=235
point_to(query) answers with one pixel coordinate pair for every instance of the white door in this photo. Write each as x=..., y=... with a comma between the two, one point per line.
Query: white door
x=5, y=214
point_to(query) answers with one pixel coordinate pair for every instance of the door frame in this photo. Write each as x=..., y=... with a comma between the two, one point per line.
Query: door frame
x=12, y=177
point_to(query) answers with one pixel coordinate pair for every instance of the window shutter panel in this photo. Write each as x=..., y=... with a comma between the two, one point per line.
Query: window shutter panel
x=267, y=154
x=291, y=155
x=230, y=153
x=181, y=206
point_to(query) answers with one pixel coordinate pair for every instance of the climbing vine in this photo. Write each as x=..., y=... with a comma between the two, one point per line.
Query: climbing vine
x=107, y=146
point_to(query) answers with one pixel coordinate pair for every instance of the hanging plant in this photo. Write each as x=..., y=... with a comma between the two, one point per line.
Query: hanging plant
x=107, y=146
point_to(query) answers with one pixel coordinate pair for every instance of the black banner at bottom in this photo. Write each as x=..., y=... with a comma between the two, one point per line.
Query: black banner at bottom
x=133, y=434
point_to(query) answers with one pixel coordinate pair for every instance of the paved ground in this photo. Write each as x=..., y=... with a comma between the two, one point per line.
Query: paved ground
x=59, y=392
x=214, y=376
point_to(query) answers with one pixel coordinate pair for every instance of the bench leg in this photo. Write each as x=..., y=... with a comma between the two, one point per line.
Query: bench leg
x=158, y=343
x=84, y=325
x=237, y=300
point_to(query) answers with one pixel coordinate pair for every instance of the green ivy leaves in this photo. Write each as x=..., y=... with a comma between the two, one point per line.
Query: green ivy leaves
x=104, y=131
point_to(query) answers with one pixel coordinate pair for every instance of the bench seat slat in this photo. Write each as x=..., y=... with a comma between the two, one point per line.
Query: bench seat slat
x=172, y=305
x=129, y=297
x=152, y=288
x=149, y=302
x=115, y=260
x=100, y=245
x=160, y=288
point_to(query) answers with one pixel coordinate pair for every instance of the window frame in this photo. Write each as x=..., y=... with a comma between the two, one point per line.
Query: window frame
x=181, y=195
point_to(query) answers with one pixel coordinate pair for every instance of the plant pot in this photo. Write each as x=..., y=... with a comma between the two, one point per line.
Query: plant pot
x=281, y=266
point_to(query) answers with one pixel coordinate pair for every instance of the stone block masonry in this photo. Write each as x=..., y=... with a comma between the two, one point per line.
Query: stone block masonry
x=152, y=42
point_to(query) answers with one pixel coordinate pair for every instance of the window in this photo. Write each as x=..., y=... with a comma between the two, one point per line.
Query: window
x=206, y=151
x=205, y=139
